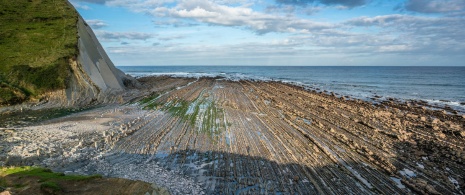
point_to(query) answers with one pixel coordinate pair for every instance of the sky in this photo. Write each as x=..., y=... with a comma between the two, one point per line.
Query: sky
x=279, y=32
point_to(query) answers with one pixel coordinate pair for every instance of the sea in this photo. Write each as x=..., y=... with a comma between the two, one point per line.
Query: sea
x=438, y=86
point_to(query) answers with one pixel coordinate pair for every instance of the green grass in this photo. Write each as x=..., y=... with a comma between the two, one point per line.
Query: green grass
x=179, y=109
x=37, y=38
x=150, y=102
x=43, y=174
x=19, y=185
x=48, y=180
x=3, y=182
x=148, y=99
x=54, y=187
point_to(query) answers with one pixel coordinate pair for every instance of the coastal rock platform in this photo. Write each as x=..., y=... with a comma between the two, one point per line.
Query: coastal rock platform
x=216, y=136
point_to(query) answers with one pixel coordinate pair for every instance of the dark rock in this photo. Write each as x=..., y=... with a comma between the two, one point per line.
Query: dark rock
x=296, y=178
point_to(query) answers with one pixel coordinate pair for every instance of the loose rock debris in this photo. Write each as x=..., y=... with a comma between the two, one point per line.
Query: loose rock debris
x=215, y=136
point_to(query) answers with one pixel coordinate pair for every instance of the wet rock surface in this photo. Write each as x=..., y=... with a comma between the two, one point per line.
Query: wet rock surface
x=215, y=136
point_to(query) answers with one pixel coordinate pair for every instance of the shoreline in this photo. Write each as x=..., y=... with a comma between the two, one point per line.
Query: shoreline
x=454, y=107
x=436, y=86
x=220, y=136
x=433, y=109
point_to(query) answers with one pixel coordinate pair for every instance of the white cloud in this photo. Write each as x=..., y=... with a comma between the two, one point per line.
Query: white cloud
x=311, y=10
x=220, y=12
x=172, y=37
x=344, y=3
x=139, y=5
x=79, y=5
x=292, y=32
x=435, y=6
x=421, y=34
x=394, y=48
x=93, y=1
x=238, y=16
x=96, y=24
x=223, y=13
x=280, y=8
x=117, y=36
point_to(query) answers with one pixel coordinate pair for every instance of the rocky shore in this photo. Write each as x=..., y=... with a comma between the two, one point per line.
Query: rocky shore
x=214, y=136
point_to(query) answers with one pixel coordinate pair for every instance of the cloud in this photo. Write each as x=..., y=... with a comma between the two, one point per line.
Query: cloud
x=417, y=34
x=238, y=16
x=291, y=33
x=173, y=37
x=96, y=24
x=279, y=8
x=79, y=6
x=174, y=23
x=325, y=48
x=377, y=20
x=117, y=36
x=311, y=10
x=394, y=48
x=435, y=6
x=346, y=3
x=139, y=5
x=416, y=24
x=185, y=13
x=93, y=1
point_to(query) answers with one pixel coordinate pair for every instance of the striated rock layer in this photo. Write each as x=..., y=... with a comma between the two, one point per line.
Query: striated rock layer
x=268, y=137
x=93, y=78
x=256, y=138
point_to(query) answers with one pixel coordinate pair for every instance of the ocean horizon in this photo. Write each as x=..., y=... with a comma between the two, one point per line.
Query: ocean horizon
x=438, y=86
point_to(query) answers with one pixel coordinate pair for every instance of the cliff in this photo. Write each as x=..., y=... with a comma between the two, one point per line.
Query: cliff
x=51, y=58
x=94, y=77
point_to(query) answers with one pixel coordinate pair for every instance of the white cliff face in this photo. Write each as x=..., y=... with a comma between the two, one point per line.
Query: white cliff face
x=93, y=77
x=95, y=62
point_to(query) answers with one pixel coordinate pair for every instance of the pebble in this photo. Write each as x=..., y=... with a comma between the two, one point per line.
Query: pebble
x=87, y=153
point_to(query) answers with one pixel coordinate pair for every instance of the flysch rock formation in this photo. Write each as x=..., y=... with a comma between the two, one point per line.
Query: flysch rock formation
x=95, y=61
x=94, y=77
x=214, y=136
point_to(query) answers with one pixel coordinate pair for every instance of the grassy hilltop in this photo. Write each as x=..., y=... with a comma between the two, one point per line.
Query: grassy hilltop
x=37, y=38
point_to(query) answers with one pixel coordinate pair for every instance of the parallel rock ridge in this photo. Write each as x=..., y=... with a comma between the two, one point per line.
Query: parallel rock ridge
x=268, y=137
x=225, y=137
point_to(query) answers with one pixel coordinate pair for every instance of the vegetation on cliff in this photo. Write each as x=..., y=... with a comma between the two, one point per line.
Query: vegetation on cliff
x=37, y=39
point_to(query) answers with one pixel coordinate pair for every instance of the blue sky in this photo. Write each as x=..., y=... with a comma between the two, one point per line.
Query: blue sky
x=279, y=32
